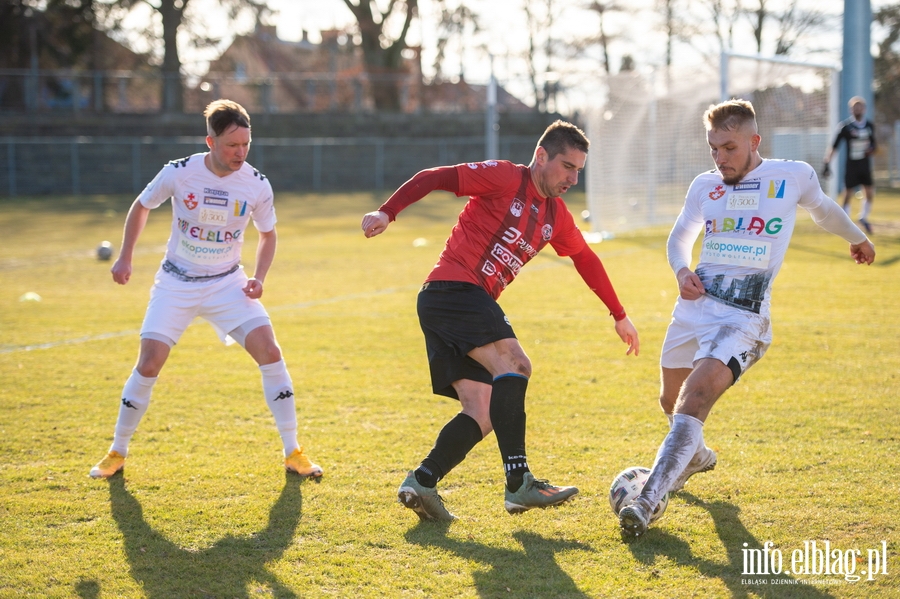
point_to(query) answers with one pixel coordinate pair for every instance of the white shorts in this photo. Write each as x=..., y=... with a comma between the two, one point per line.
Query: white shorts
x=174, y=304
x=706, y=328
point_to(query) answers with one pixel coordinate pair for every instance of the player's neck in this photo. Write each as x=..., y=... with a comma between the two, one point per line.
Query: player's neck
x=211, y=166
x=534, y=181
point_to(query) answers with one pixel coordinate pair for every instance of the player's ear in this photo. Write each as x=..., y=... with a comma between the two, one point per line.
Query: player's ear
x=754, y=142
x=540, y=155
x=209, y=142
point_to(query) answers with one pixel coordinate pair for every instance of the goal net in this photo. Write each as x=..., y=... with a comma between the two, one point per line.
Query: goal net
x=648, y=141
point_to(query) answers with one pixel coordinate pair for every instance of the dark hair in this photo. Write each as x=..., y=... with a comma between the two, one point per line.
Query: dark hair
x=561, y=136
x=222, y=114
x=729, y=115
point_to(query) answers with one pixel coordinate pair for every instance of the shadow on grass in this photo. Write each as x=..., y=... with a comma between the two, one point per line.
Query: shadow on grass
x=529, y=573
x=164, y=570
x=733, y=534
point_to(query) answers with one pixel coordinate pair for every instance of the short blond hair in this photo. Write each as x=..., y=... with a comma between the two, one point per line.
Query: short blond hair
x=222, y=114
x=729, y=115
x=856, y=100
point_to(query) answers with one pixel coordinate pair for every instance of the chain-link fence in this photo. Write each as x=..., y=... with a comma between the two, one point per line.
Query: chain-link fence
x=95, y=165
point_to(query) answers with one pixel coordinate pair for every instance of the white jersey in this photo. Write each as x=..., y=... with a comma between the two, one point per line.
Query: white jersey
x=209, y=213
x=747, y=228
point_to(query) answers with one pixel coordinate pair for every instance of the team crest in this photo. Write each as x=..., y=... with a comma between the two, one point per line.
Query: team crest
x=717, y=193
x=776, y=189
x=546, y=232
x=517, y=207
x=191, y=201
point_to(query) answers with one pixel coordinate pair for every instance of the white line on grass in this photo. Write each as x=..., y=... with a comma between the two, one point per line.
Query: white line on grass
x=300, y=306
x=553, y=262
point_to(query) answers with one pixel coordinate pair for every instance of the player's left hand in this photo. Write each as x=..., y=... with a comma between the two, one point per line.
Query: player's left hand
x=863, y=253
x=253, y=289
x=628, y=334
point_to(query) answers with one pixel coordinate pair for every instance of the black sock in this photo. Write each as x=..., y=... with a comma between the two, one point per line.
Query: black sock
x=508, y=420
x=454, y=442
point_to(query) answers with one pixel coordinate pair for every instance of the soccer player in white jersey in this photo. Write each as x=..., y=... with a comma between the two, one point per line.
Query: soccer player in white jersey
x=720, y=327
x=214, y=196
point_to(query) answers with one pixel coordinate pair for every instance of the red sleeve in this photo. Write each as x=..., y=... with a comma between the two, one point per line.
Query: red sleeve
x=422, y=183
x=591, y=270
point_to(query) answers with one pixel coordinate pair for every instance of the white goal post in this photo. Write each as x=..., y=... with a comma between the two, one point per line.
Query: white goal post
x=648, y=140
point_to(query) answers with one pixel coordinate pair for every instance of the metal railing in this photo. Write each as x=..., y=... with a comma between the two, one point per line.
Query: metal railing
x=110, y=165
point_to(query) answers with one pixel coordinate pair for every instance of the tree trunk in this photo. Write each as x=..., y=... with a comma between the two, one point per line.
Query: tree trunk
x=172, y=86
x=383, y=64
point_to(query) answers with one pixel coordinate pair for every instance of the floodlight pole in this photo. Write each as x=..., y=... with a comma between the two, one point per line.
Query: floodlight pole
x=857, y=73
x=491, y=126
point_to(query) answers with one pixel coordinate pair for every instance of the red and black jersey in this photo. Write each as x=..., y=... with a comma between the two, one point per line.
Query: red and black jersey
x=504, y=224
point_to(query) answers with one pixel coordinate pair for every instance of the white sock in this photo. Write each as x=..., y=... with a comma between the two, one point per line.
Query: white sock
x=847, y=208
x=675, y=453
x=670, y=418
x=135, y=401
x=865, y=209
x=279, y=394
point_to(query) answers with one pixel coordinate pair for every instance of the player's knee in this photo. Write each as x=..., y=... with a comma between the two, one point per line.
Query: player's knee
x=269, y=354
x=522, y=365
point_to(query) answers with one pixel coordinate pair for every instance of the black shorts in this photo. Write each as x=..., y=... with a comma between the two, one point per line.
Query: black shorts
x=456, y=318
x=858, y=173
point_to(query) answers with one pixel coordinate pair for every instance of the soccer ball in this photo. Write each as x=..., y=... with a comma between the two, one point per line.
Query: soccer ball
x=628, y=485
x=104, y=251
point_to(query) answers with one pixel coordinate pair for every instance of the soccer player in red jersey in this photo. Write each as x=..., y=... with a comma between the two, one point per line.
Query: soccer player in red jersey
x=512, y=213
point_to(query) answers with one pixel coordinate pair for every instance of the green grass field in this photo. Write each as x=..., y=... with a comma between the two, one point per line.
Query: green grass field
x=807, y=441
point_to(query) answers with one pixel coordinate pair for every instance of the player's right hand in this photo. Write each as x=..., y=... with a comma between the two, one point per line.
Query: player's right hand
x=121, y=271
x=689, y=284
x=374, y=223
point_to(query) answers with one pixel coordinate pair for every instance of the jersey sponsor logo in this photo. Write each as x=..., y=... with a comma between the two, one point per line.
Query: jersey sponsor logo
x=199, y=253
x=517, y=207
x=490, y=269
x=190, y=202
x=535, y=210
x=240, y=208
x=511, y=235
x=546, y=232
x=747, y=186
x=776, y=189
x=223, y=202
x=201, y=234
x=736, y=252
x=755, y=225
x=717, y=193
x=746, y=293
x=215, y=192
x=213, y=216
x=507, y=257
x=743, y=201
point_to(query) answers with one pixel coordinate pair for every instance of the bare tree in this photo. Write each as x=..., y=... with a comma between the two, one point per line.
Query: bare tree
x=604, y=39
x=174, y=17
x=455, y=24
x=887, y=65
x=794, y=23
x=382, y=55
